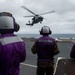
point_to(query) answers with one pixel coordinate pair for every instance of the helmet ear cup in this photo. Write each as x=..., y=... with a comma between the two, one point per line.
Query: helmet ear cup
x=50, y=32
x=40, y=32
x=17, y=27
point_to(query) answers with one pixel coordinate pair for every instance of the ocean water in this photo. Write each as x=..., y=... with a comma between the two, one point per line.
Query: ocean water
x=52, y=35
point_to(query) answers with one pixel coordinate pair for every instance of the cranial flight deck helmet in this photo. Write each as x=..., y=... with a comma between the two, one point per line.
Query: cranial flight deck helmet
x=8, y=23
x=45, y=30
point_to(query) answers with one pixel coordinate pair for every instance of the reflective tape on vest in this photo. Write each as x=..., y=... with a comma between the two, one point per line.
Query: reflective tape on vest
x=8, y=40
x=45, y=41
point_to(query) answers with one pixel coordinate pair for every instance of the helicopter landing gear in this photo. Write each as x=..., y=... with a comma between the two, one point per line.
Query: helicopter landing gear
x=40, y=22
x=29, y=22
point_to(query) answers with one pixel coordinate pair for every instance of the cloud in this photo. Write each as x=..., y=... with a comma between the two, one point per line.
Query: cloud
x=62, y=21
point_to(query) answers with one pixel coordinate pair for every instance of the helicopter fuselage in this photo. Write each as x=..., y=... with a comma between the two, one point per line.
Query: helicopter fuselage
x=37, y=19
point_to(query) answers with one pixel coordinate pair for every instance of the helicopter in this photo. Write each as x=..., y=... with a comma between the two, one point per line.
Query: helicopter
x=37, y=18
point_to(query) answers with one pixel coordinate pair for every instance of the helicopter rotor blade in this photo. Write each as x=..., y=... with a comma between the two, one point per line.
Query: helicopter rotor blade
x=28, y=9
x=47, y=12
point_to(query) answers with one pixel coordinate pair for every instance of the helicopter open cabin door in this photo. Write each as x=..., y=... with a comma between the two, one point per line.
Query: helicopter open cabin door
x=36, y=18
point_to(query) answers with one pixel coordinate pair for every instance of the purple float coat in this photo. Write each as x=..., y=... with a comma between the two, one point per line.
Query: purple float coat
x=72, y=53
x=46, y=48
x=12, y=52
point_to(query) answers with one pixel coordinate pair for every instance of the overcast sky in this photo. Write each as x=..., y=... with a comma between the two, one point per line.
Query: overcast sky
x=62, y=21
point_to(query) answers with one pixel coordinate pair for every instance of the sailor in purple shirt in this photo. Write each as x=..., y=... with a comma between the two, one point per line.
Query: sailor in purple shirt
x=12, y=47
x=72, y=53
x=45, y=47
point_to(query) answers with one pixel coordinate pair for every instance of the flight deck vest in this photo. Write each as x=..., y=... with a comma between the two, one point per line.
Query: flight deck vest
x=12, y=52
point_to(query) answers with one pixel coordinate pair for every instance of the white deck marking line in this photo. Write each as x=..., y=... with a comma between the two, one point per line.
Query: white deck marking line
x=28, y=65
